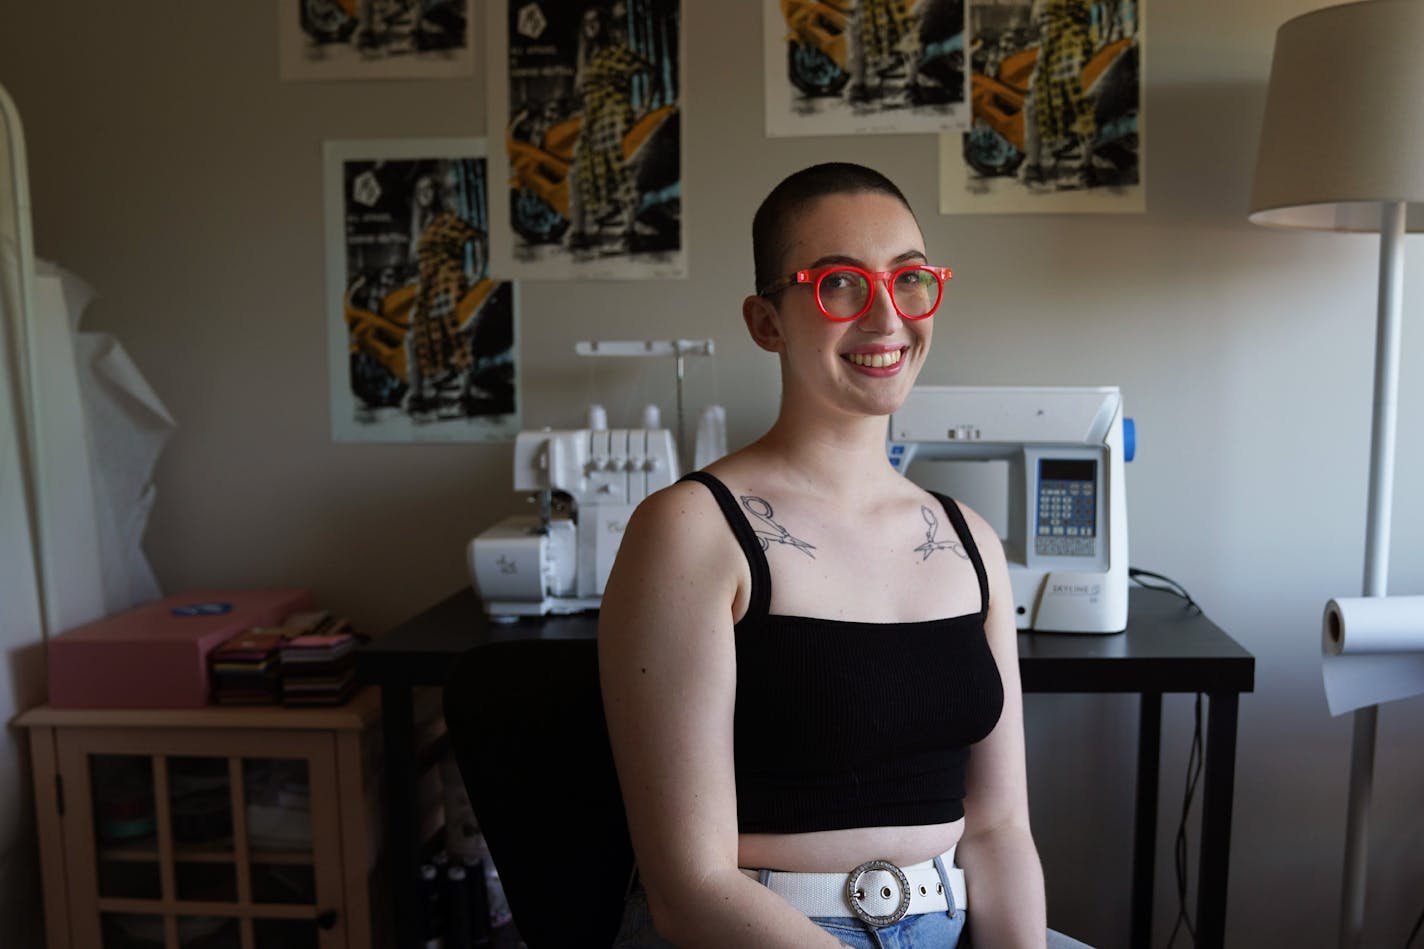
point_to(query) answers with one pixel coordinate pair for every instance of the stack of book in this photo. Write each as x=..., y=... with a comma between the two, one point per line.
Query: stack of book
x=247, y=669
x=308, y=660
x=319, y=664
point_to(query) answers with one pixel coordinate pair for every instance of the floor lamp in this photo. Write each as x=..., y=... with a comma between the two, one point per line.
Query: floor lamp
x=1342, y=149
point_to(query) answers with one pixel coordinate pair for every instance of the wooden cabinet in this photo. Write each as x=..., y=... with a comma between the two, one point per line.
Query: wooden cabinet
x=211, y=828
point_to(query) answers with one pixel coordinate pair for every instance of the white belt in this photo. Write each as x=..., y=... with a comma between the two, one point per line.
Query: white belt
x=876, y=892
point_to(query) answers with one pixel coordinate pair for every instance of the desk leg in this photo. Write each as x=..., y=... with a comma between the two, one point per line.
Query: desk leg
x=1216, y=819
x=402, y=836
x=1144, y=834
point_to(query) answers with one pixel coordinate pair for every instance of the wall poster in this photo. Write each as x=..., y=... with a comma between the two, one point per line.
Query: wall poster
x=844, y=67
x=1058, y=123
x=374, y=39
x=589, y=165
x=421, y=341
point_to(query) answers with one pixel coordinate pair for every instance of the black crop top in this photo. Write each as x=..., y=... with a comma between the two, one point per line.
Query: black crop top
x=848, y=724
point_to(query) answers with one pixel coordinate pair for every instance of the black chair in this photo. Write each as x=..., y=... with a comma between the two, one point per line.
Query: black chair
x=525, y=719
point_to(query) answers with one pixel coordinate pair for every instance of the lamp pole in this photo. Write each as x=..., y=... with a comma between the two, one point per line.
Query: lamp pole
x=1377, y=527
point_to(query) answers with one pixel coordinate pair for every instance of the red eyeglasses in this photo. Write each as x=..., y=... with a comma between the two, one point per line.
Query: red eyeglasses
x=844, y=293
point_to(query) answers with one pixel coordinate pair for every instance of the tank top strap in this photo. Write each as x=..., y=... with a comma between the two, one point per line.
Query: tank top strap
x=961, y=527
x=746, y=537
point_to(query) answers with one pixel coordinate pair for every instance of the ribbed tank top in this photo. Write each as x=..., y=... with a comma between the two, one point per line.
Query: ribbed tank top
x=847, y=724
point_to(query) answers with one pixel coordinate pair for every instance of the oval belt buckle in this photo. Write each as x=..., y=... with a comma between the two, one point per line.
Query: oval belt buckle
x=854, y=894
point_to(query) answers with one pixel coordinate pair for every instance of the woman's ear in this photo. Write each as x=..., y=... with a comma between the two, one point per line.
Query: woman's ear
x=763, y=323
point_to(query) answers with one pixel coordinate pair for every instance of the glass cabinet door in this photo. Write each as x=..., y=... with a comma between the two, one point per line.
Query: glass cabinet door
x=204, y=841
x=125, y=830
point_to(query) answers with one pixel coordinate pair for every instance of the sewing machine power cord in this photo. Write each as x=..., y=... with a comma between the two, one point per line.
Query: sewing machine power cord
x=1160, y=582
x=1195, y=760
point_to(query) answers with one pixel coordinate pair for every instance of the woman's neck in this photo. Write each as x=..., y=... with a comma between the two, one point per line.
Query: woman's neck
x=831, y=457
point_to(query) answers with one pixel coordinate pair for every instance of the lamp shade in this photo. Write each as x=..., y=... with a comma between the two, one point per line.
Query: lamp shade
x=1344, y=124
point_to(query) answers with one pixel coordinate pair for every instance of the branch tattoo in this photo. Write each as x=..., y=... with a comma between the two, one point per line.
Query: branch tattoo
x=931, y=545
x=761, y=510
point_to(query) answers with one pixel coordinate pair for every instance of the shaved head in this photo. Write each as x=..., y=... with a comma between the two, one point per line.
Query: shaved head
x=771, y=227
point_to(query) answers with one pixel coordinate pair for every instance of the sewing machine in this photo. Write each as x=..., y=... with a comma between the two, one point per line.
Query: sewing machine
x=1057, y=455
x=587, y=482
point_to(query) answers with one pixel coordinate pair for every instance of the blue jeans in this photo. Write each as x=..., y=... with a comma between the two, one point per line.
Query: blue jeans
x=926, y=931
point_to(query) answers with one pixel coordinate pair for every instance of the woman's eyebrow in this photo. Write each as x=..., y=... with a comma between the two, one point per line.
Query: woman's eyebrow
x=830, y=259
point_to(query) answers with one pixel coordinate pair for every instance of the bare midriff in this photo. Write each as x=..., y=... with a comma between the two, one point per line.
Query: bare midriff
x=840, y=851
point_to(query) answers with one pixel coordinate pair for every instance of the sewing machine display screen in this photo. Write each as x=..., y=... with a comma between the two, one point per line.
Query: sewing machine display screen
x=1067, y=507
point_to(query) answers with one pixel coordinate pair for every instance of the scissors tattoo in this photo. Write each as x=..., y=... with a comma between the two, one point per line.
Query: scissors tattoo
x=761, y=510
x=931, y=545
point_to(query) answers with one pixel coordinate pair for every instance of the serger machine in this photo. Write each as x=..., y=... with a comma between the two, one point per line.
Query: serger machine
x=1061, y=452
x=587, y=482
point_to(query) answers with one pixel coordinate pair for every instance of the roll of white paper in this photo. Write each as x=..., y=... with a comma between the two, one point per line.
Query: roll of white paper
x=1374, y=624
x=1373, y=651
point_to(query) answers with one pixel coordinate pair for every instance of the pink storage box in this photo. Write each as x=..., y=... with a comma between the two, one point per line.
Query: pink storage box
x=153, y=657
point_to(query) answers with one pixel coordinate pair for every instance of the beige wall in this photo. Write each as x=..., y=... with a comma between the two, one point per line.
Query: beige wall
x=174, y=171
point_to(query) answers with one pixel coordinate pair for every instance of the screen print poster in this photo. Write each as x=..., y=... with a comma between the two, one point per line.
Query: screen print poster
x=374, y=39
x=421, y=341
x=588, y=95
x=1058, y=123
x=864, y=66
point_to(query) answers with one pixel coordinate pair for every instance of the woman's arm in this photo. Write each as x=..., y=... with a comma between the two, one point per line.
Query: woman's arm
x=1001, y=866
x=667, y=663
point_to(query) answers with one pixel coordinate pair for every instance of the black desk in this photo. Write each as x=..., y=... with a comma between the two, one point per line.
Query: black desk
x=1167, y=648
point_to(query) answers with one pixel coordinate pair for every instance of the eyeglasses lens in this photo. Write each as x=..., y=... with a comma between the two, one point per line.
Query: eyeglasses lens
x=916, y=291
x=844, y=293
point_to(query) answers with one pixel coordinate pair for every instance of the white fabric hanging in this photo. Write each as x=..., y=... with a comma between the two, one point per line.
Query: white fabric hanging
x=21, y=622
x=80, y=434
x=103, y=429
x=65, y=512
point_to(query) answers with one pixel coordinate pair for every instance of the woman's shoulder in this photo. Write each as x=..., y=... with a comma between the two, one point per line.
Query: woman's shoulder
x=684, y=512
x=676, y=536
x=692, y=509
x=684, y=498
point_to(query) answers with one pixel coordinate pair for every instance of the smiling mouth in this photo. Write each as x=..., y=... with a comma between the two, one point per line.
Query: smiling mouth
x=876, y=360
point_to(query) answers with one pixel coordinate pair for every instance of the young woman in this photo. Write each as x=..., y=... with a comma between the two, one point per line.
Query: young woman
x=799, y=647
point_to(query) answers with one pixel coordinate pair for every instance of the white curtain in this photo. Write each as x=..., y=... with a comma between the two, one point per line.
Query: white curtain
x=80, y=432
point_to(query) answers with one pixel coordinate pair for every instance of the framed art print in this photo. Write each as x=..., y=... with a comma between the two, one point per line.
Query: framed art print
x=421, y=338
x=587, y=95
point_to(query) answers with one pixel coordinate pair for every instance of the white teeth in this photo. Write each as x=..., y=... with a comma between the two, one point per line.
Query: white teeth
x=875, y=361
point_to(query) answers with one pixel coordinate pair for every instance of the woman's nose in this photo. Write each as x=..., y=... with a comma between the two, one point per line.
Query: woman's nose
x=882, y=316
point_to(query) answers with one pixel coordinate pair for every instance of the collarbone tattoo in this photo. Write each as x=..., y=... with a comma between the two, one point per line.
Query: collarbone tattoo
x=931, y=544
x=772, y=532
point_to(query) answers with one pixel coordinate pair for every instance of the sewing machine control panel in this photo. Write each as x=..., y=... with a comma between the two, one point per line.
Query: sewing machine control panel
x=1067, y=509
